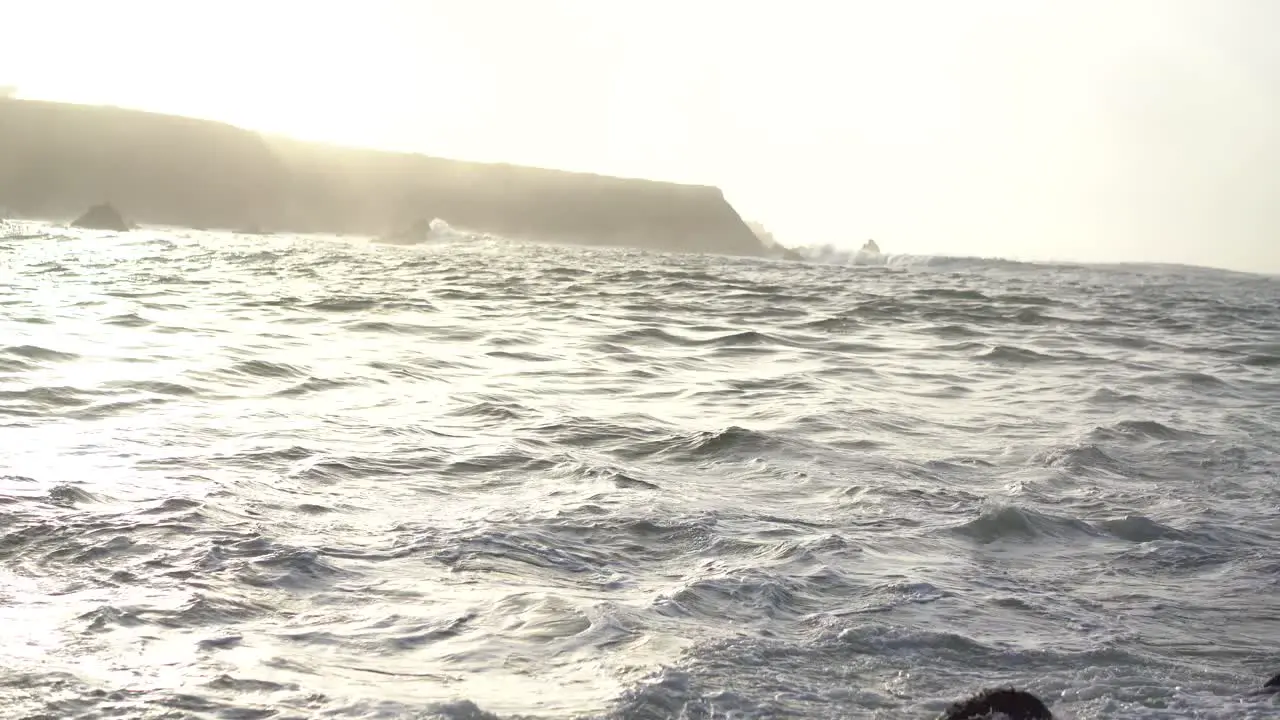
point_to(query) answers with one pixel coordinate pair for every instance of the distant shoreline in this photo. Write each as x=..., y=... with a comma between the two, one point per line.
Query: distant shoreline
x=160, y=169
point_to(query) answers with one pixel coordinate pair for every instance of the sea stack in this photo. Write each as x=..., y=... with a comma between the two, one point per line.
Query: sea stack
x=102, y=217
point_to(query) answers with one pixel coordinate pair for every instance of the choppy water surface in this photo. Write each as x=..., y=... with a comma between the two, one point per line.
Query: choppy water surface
x=295, y=477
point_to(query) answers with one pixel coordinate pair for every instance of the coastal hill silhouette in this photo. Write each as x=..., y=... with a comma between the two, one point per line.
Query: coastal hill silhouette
x=161, y=169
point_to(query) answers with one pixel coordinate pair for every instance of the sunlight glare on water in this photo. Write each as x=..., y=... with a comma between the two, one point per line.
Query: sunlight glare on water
x=300, y=477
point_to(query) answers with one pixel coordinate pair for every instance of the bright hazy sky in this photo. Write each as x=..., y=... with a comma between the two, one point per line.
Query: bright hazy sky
x=1109, y=130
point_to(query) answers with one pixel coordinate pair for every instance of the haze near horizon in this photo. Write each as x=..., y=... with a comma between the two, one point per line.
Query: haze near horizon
x=1090, y=131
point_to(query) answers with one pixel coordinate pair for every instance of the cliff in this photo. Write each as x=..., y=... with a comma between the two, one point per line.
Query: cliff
x=771, y=243
x=57, y=159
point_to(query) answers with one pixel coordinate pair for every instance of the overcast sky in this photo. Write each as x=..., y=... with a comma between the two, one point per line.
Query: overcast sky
x=1108, y=130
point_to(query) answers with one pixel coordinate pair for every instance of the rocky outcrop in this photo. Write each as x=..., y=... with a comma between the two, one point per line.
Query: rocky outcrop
x=102, y=217
x=771, y=245
x=195, y=173
x=418, y=232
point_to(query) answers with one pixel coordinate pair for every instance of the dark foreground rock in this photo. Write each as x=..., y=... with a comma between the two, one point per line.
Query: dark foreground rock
x=1001, y=702
x=102, y=217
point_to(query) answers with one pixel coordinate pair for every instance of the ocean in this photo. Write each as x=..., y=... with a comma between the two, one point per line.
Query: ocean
x=319, y=477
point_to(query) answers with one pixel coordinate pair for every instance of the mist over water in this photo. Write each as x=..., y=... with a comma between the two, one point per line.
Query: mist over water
x=293, y=477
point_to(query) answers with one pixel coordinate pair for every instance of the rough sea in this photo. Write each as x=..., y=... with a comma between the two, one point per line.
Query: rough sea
x=317, y=477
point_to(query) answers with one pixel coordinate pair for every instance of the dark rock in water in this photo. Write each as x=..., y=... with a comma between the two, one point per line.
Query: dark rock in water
x=102, y=217
x=790, y=254
x=871, y=247
x=1273, y=685
x=418, y=232
x=1014, y=704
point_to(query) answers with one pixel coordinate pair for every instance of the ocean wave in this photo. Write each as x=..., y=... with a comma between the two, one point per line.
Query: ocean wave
x=297, y=476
